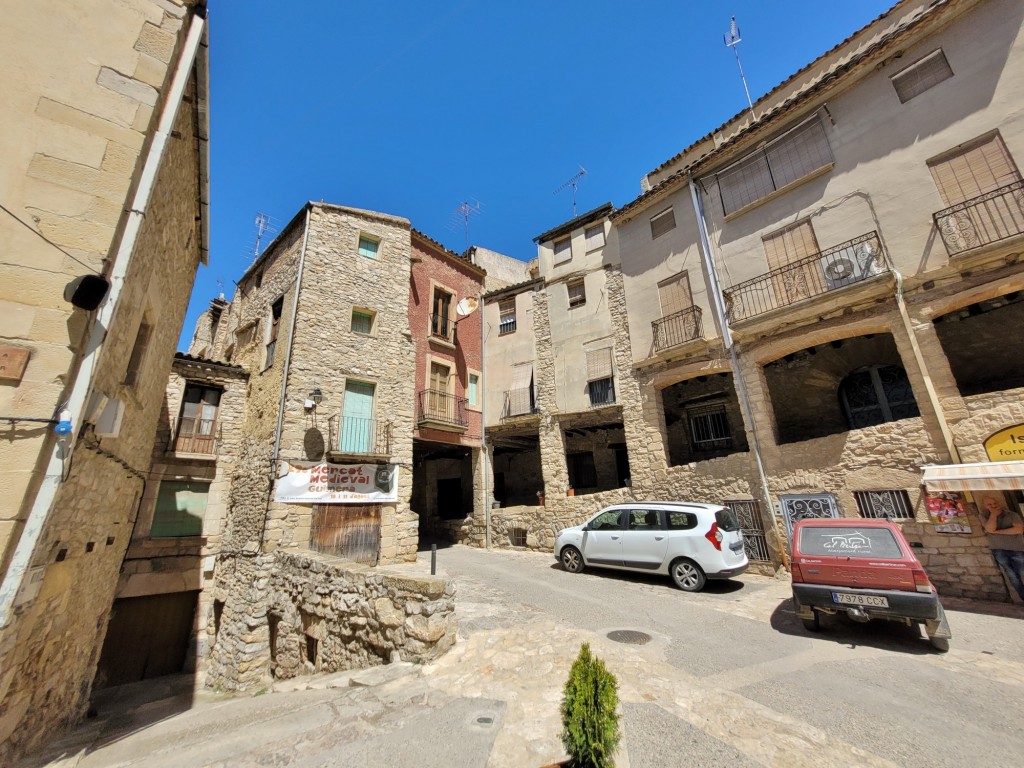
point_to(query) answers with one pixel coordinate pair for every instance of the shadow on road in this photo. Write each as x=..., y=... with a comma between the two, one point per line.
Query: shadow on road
x=713, y=586
x=881, y=634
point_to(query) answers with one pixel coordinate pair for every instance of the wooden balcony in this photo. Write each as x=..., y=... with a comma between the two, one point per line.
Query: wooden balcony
x=195, y=437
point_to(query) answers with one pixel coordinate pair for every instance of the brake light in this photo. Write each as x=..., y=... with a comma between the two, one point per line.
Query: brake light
x=921, y=581
x=794, y=569
x=715, y=537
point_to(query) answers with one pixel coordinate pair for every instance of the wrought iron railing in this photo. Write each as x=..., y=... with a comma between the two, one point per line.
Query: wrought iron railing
x=839, y=266
x=989, y=218
x=677, y=328
x=519, y=402
x=191, y=435
x=352, y=435
x=439, y=407
x=442, y=327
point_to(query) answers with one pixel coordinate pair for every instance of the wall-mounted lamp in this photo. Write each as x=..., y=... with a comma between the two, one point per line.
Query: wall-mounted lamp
x=314, y=399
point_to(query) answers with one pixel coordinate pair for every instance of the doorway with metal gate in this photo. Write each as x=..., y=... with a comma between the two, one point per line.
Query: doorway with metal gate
x=748, y=515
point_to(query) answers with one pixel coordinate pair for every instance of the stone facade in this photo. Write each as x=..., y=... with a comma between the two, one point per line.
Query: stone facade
x=84, y=126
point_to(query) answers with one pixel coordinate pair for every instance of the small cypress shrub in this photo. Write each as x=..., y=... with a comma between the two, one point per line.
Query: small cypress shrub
x=590, y=717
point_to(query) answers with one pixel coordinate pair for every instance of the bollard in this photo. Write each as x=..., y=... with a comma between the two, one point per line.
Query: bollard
x=433, y=559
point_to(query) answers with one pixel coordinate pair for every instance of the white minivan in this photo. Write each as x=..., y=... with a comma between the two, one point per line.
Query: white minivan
x=690, y=542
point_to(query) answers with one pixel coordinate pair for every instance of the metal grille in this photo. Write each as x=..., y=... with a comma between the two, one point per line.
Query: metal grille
x=442, y=408
x=985, y=219
x=517, y=536
x=748, y=515
x=884, y=504
x=351, y=531
x=808, y=506
x=677, y=328
x=507, y=316
x=602, y=392
x=709, y=427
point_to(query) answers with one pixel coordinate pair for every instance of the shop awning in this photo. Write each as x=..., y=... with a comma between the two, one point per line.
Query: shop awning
x=989, y=475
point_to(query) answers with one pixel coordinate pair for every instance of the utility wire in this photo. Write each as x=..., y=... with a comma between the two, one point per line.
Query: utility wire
x=43, y=237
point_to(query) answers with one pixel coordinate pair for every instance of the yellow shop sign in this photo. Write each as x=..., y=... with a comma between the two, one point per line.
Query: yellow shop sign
x=1006, y=444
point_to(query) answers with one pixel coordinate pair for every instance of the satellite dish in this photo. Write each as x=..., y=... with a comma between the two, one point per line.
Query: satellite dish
x=467, y=306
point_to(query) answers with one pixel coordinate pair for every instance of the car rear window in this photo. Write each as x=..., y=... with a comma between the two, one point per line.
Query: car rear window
x=726, y=520
x=849, y=541
x=680, y=521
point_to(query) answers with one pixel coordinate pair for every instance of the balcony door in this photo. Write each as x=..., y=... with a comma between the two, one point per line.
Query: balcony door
x=438, y=402
x=357, y=418
x=792, y=244
x=197, y=426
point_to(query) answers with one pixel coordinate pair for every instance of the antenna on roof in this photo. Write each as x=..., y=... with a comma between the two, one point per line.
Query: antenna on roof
x=731, y=41
x=463, y=211
x=263, y=226
x=574, y=182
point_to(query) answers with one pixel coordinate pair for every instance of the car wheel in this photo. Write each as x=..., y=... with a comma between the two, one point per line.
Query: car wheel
x=940, y=644
x=812, y=625
x=688, y=576
x=572, y=560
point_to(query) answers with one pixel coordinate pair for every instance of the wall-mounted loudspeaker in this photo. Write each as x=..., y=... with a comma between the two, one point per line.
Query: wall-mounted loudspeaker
x=87, y=292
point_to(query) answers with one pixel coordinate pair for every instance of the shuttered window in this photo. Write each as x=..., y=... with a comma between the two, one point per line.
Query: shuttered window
x=563, y=251
x=362, y=322
x=368, y=247
x=662, y=222
x=519, y=399
x=784, y=161
x=973, y=170
x=675, y=294
x=794, y=243
x=595, y=237
x=577, y=293
x=921, y=75
x=507, y=316
x=599, y=364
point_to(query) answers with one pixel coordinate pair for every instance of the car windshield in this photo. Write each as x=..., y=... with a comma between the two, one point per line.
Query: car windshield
x=726, y=520
x=849, y=541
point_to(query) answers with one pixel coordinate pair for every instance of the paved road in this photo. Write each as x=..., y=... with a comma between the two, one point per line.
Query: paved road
x=729, y=678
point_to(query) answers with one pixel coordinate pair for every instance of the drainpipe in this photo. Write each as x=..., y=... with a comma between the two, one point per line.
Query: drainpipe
x=81, y=386
x=284, y=376
x=741, y=388
x=933, y=396
x=483, y=421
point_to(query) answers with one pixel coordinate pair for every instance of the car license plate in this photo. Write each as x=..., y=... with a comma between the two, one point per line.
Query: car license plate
x=736, y=546
x=874, y=601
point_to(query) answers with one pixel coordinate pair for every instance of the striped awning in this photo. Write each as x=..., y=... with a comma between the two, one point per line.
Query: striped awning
x=989, y=475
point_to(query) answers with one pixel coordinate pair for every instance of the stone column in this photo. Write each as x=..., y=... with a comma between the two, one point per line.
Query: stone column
x=552, y=438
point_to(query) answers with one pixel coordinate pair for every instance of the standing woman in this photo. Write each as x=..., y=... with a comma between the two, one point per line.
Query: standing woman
x=1005, y=531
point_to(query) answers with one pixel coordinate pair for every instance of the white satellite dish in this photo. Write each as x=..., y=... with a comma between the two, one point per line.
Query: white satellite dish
x=467, y=306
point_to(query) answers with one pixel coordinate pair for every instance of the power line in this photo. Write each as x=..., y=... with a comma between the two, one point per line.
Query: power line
x=45, y=239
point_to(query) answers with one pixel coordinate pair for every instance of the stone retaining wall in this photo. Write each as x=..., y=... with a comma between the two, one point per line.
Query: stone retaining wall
x=288, y=614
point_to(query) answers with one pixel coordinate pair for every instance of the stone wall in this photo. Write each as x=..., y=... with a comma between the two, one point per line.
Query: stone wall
x=290, y=614
x=49, y=651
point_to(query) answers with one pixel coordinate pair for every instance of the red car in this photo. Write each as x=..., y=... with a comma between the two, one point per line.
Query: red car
x=865, y=569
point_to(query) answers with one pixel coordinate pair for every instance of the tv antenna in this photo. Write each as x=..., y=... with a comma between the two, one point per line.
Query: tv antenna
x=574, y=182
x=461, y=216
x=731, y=41
x=263, y=226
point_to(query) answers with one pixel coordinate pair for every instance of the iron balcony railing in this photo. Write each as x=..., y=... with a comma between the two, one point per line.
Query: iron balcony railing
x=519, y=402
x=442, y=327
x=677, y=328
x=837, y=267
x=191, y=435
x=353, y=435
x=441, y=408
x=989, y=218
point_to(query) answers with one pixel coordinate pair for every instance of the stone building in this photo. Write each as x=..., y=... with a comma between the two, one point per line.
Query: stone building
x=104, y=176
x=813, y=307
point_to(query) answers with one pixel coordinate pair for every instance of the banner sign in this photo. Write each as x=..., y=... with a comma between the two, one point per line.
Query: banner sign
x=946, y=510
x=1006, y=445
x=326, y=483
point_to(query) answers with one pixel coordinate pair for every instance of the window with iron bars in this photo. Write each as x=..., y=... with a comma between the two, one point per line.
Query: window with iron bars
x=507, y=316
x=884, y=504
x=709, y=427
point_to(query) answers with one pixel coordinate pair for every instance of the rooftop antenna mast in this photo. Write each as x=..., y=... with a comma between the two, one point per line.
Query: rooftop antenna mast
x=262, y=226
x=574, y=182
x=731, y=41
x=463, y=212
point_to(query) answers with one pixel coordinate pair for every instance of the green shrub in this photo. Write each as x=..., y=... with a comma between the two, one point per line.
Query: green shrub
x=590, y=718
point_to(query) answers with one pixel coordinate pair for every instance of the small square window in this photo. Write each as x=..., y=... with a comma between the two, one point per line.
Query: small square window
x=923, y=74
x=368, y=246
x=709, y=427
x=362, y=321
x=577, y=293
x=595, y=237
x=563, y=250
x=662, y=223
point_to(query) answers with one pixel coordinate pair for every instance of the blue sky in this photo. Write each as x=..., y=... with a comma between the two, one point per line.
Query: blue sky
x=412, y=108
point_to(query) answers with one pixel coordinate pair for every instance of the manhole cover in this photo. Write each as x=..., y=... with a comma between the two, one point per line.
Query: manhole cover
x=629, y=636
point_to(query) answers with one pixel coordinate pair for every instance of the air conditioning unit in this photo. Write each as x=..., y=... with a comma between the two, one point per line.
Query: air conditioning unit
x=852, y=266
